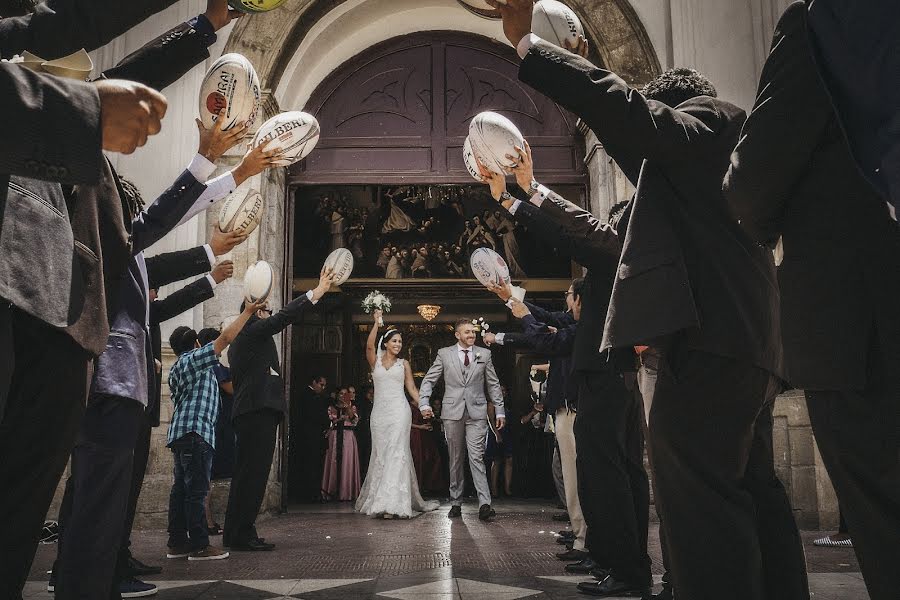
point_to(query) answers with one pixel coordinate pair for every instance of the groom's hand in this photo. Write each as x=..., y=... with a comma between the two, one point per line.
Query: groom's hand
x=427, y=413
x=501, y=423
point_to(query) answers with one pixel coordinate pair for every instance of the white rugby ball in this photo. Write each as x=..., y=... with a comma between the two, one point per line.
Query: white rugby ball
x=492, y=137
x=258, y=282
x=294, y=133
x=471, y=162
x=489, y=267
x=231, y=83
x=556, y=23
x=341, y=262
x=241, y=215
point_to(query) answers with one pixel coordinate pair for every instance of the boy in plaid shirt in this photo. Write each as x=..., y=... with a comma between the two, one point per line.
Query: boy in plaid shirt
x=192, y=436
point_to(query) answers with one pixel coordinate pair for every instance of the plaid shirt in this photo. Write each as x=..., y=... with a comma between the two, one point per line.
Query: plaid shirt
x=195, y=393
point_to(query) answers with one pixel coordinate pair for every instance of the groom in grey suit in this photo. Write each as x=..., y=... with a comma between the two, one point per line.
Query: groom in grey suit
x=467, y=372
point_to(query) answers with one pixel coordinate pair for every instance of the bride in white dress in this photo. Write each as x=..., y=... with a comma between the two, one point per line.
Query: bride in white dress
x=391, y=489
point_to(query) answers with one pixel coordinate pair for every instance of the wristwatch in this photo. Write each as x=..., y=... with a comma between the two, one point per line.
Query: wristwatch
x=534, y=187
x=505, y=196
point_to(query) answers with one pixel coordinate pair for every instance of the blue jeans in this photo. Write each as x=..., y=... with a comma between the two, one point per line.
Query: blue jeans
x=193, y=468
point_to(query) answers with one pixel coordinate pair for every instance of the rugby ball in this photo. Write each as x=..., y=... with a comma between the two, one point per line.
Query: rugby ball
x=471, y=162
x=258, y=282
x=489, y=267
x=492, y=137
x=241, y=215
x=231, y=83
x=255, y=6
x=556, y=23
x=294, y=133
x=482, y=8
x=341, y=262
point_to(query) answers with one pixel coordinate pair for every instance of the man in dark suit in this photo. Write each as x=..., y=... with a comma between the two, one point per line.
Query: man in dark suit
x=718, y=336
x=307, y=424
x=259, y=408
x=793, y=177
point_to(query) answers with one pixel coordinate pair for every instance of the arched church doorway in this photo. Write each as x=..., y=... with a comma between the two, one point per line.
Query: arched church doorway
x=387, y=181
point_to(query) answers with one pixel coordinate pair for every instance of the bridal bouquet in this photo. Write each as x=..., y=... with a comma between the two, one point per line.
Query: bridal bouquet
x=376, y=301
x=481, y=325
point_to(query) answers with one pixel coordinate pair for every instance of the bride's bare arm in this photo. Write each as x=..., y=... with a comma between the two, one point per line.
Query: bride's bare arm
x=410, y=382
x=371, y=353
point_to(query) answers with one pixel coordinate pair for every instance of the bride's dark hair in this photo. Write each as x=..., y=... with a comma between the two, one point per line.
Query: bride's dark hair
x=387, y=337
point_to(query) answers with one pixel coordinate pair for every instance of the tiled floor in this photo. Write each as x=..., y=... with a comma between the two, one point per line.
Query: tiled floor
x=330, y=553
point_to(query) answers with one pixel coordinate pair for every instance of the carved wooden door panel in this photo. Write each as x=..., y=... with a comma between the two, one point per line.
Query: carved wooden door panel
x=400, y=112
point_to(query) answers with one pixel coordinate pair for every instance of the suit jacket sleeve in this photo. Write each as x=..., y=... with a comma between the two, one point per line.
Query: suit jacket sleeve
x=280, y=321
x=630, y=127
x=493, y=386
x=781, y=134
x=431, y=378
x=170, y=267
x=574, y=229
x=180, y=301
x=37, y=108
x=60, y=27
x=554, y=318
x=544, y=341
x=164, y=60
x=164, y=214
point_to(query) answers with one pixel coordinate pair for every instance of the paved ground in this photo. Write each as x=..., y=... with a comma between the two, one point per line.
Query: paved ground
x=330, y=553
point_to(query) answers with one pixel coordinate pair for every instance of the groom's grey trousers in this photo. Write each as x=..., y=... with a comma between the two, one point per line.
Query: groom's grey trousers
x=472, y=433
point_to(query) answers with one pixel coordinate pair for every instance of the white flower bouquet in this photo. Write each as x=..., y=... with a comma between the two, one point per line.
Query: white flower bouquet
x=376, y=301
x=481, y=325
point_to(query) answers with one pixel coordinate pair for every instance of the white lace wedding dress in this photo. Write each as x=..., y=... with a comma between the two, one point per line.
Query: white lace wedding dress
x=391, y=486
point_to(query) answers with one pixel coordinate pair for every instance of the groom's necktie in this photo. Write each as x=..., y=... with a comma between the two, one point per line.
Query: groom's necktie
x=466, y=359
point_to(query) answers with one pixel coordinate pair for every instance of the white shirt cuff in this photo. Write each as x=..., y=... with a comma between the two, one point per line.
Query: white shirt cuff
x=210, y=255
x=514, y=207
x=500, y=414
x=310, y=297
x=216, y=189
x=201, y=168
x=212, y=282
x=525, y=45
x=539, y=196
x=498, y=338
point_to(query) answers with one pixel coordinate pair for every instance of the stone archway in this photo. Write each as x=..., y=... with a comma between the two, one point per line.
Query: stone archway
x=618, y=38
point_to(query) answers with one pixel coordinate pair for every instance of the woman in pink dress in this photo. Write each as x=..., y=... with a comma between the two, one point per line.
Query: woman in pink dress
x=340, y=479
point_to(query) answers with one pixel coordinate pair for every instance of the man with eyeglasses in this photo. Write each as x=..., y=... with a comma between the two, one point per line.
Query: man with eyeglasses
x=259, y=407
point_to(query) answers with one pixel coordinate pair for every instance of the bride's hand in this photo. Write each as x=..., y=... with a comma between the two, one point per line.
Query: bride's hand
x=377, y=314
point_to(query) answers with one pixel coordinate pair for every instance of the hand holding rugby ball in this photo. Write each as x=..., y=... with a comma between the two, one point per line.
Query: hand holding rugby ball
x=492, y=137
x=293, y=134
x=340, y=262
x=242, y=215
x=556, y=23
x=489, y=267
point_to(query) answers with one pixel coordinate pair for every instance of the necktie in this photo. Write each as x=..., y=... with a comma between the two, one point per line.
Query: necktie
x=466, y=359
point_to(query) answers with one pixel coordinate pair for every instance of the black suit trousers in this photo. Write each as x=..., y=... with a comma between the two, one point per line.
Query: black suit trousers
x=858, y=434
x=612, y=484
x=43, y=385
x=138, y=470
x=255, y=433
x=726, y=519
x=98, y=490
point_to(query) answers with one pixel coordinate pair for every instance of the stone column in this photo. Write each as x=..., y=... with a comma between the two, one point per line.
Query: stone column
x=608, y=183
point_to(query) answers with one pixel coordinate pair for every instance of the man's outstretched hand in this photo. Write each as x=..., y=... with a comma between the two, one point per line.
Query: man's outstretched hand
x=516, y=18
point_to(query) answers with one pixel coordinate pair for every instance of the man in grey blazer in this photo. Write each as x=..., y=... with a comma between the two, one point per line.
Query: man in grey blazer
x=468, y=372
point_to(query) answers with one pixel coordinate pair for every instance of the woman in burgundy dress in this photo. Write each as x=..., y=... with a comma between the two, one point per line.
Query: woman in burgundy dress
x=340, y=480
x=426, y=457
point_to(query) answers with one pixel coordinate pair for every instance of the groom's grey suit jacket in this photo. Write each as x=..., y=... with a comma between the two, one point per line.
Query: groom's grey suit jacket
x=464, y=387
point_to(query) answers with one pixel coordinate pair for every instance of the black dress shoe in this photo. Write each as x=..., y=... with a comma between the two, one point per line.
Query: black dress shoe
x=455, y=511
x=612, y=587
x=600, y=573
x=252, y=546
x=567, y=533
x=572, y=555
x=139, y=569
x=565, y=541
x=486, y=512
x=583, y=567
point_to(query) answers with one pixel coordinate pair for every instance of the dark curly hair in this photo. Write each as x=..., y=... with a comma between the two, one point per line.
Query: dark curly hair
x=133, y=201
x=674, y=86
